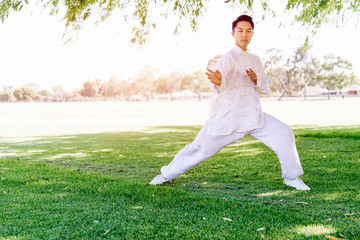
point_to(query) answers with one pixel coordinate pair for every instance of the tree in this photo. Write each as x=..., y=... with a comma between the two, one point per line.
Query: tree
x=32, y=86
x=292, y=74
x=200, y=83
x=59, y=93
x=305, y=67
x=282, y=72
x=175, y=79
x=168, y=83
x=273, y=65
x=310, y=70
x=314, y=13
x=186, y=82
x=74, y=95
x=196, y=82
x=335, y=73
x=144, y=13
x=91, y=88
x=213, y=61
x=115, y=88
x=164, y=85
x=112, y=88
x=24, y=94
x=46, y=95
x=144, y=81
x=125, y=89
x=7, y=96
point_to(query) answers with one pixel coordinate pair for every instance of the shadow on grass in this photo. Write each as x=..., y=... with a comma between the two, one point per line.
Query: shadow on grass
x=99, y=181
x=139, y=155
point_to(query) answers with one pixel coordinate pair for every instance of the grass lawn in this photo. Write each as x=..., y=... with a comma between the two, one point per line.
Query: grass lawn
x=95, y=186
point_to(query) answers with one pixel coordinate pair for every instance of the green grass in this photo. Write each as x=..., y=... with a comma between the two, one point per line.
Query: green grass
x=96, y=187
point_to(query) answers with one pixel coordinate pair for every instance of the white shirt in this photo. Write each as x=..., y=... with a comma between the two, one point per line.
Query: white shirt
x=235, y=104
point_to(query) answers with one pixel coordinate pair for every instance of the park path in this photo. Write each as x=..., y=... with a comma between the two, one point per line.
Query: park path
x=43, y=119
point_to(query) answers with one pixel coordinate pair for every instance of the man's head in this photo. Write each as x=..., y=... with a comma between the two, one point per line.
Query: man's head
x=245, y=18
x=243, y=30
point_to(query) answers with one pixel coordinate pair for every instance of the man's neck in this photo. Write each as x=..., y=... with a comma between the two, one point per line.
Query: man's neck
x=240, y=48
x=243, y=48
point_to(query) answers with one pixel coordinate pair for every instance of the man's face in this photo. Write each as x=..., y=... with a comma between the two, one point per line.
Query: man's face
x=243, y=33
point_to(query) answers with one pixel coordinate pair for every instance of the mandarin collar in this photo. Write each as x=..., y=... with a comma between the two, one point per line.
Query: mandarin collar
x=239, y=49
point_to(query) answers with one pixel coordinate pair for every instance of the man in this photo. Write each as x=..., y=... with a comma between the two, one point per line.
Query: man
x=237, y=79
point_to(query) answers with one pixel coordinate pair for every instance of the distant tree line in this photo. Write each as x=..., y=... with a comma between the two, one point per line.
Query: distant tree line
x=146, y=84
x=31, y=92
x=289, y=75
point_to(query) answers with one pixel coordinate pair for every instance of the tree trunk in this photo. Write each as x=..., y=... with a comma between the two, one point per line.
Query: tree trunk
x=282, y=95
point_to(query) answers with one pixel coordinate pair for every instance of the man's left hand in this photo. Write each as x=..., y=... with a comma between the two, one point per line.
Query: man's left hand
x=252, y=75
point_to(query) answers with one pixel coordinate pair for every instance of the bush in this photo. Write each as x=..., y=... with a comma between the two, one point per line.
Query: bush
x=7, y=97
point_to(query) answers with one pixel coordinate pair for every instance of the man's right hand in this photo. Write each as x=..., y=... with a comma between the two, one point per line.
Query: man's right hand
x=214, y=76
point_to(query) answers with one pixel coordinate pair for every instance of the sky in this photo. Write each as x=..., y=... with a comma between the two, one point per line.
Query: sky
x=32, y=49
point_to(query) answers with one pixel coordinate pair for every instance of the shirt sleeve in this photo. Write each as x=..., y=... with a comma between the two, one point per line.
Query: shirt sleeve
x=263, y=82
x=224, y=66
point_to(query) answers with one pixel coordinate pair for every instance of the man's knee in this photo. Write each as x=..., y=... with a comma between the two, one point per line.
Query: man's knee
x=286, y=133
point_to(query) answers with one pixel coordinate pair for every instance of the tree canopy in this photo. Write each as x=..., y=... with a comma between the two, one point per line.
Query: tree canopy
x=335, y=73
x=144, y=14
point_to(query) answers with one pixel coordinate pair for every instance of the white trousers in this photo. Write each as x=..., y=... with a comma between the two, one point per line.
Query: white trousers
x=274, y=134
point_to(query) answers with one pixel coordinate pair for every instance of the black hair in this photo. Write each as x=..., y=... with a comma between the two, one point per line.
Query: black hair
x=245, y=18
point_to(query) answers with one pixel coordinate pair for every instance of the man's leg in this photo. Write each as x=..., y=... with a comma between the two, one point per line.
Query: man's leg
x=280, y=138
x=203, y=147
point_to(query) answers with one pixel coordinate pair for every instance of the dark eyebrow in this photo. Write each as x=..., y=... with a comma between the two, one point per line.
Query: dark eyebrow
x=246, y=29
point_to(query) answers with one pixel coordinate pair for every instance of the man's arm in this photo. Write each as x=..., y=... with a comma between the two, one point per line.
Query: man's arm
x=219, y=73
x=261, y=81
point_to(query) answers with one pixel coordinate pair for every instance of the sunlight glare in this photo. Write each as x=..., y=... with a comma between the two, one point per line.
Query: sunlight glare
x=77, y=155
x=314, y=230
x=36, y=151
x=276, y=193
x=332, y=196
x=7, y=154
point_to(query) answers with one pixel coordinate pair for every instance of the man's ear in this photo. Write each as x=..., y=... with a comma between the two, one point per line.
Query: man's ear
x=233, y=33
